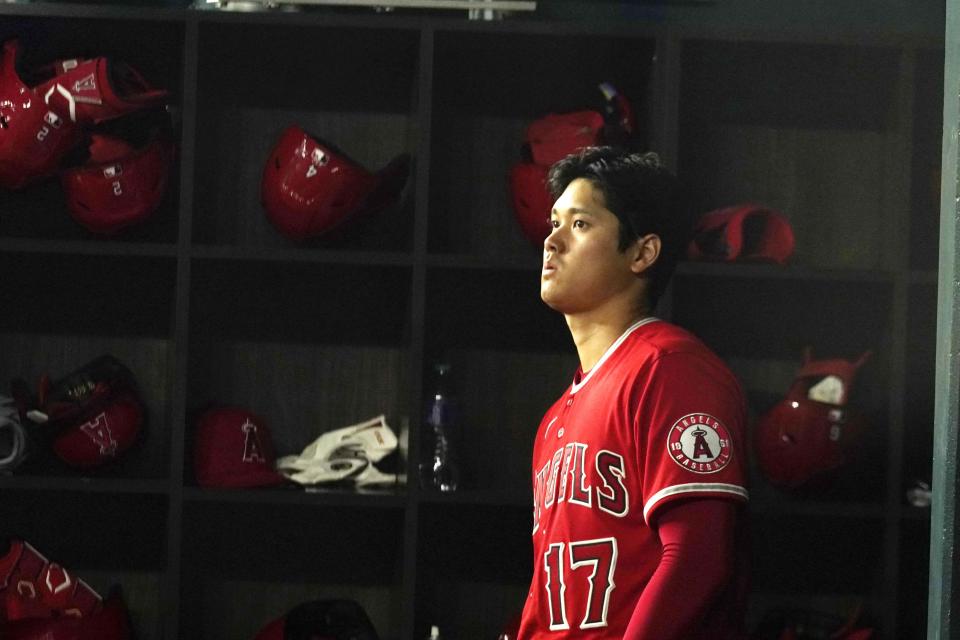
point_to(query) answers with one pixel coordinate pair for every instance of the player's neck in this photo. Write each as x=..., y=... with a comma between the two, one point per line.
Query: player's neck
x=593, y=332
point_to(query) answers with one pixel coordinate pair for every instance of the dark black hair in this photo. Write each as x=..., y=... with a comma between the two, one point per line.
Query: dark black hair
x=643, y=194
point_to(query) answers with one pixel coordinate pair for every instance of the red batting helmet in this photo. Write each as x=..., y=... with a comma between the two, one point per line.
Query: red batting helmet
x=34, y=137
x=119, y=186
x=555, y=136
x=310, y=187
x=94, y=413
x=810, y=432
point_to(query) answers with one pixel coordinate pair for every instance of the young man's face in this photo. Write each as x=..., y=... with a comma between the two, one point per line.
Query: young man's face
x=582, y=266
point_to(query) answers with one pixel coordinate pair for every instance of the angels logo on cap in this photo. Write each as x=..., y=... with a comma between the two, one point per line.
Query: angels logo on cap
x=234, y=449
x=700, y=443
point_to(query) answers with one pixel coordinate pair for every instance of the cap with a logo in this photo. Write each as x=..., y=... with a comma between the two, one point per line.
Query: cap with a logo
x=103, y=434
x=234, y=449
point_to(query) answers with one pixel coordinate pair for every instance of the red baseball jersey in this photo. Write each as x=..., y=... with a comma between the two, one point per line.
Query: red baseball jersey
x=658, y=418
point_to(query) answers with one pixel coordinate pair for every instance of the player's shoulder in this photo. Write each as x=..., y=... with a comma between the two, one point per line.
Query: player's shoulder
x=660, y=338
x=664, y=344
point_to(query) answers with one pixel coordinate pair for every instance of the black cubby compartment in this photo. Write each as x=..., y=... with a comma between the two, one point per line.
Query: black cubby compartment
x=801, y=128
x=511, y=357
x=39, y=210
x=761, y=328
x=246, y=565
x=472, y=589
x=352, y=88
x=307, y=347
x=820, y=563
x=488, y=87
x=106, y=540
x=925, y=173
x=64, y=311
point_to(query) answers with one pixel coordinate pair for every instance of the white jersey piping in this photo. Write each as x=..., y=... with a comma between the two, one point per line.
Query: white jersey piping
x=693, y=487
x=576, y=386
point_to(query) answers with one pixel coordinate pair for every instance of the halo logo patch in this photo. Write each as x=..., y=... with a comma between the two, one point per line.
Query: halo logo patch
x=700, y=443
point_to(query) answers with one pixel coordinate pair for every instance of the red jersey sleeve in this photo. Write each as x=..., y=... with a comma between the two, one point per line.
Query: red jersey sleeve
x=690, y=423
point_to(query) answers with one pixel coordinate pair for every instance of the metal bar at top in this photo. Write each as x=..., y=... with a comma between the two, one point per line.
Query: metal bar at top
x=463, y=5
x=940, y=623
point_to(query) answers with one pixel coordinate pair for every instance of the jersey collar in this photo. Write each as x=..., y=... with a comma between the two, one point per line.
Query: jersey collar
x=576, y=386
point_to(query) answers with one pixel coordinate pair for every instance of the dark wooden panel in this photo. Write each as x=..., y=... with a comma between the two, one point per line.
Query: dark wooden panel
x=792, y=556
x=301, y=302
x=87, y=295
x=355, y=70
x=477, y=562
x=491, y=309
x=803, y=129
x=914, y=585
x=245, y=566
x=925, y=175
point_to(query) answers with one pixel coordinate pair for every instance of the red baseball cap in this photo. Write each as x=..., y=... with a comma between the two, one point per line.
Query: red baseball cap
x=745, y=232
x=234, y=449
x=102, y=434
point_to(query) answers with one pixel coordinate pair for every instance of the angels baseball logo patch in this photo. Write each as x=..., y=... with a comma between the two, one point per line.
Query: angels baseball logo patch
x=700, y=443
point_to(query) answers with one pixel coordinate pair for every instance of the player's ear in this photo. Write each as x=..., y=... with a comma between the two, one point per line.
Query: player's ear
x=644, y=252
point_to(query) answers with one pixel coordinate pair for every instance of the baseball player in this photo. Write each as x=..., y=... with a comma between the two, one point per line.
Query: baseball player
x=639, y=470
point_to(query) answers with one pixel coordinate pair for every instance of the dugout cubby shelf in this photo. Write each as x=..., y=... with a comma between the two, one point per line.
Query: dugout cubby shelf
x=242, y=569
x=39, y=211
x=472, y=593
x=318, y=79
x=107, y=539
x=208, y=302
x=93, y=315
